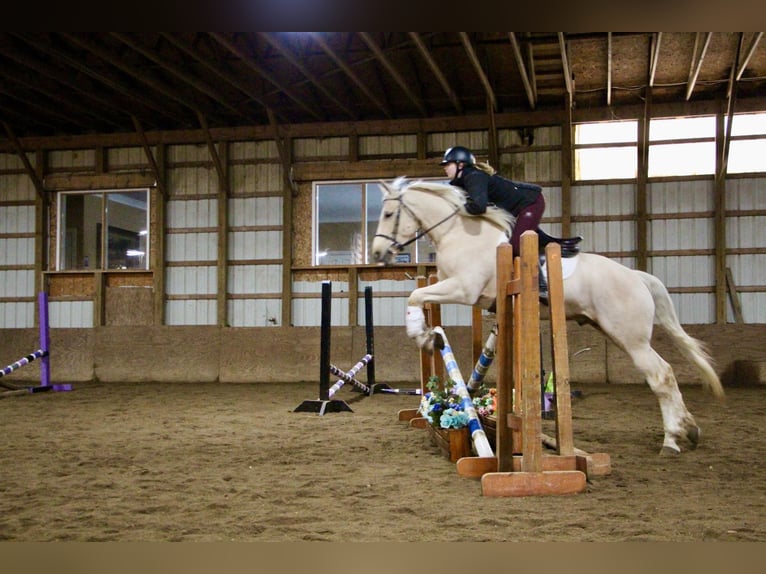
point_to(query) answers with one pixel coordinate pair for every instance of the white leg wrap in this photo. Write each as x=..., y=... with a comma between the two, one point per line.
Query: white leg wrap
x=415, y=321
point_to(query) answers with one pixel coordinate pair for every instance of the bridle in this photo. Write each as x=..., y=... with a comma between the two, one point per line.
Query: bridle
x=396, y=247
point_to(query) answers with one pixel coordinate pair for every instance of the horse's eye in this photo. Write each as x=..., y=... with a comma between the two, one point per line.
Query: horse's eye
x=387, y=214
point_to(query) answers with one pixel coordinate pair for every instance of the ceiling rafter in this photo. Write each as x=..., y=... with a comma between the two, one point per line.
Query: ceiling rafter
x=214, y=68
x=288, y=55
x=491, y=98
x=103, y=79
x=388, y=65
x=655, y=56
x=608, y=68
x=126, y=68
x=248, y=61
x=426, y=54
x=748, y=55
x=180, y=74
x=696, y=63
x=522, y=69
x=566, y=68
x=350, y=73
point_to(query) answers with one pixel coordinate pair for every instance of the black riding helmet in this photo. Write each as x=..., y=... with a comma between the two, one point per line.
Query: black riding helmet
x=458, y=154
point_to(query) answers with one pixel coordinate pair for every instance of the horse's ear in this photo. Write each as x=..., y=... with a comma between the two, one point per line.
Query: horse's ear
x=384, y=187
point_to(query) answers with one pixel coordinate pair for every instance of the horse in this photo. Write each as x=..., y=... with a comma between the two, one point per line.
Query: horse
x=622, y=303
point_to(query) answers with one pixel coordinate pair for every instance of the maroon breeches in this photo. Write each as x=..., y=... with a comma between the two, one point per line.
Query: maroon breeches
x=529, y=218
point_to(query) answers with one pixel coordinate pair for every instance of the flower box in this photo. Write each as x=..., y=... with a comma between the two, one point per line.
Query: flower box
x=454, y=443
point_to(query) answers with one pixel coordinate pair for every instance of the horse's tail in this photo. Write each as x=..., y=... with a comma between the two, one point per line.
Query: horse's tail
x=693, y=349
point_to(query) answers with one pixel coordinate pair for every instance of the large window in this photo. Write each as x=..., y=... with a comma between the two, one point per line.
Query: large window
x=103, y=230
x=606, y=150
x=345, y=220
x=681, y=146
x=747, y=150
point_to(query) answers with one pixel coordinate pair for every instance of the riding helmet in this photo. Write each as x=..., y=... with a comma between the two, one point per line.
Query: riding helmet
x=458, y=154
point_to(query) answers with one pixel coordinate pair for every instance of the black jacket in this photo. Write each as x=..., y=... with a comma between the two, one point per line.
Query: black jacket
x=483, y=189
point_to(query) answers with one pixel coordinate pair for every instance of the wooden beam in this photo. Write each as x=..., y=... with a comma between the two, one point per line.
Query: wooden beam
x=223, y=234
x=479, y=70
x=423, y=49
x=522, y=69
x=642, y=220
x=748, y=55
x=150, y=157
x=654, y=56
x=17, y=147
x=223, y=179
x=608, y=68
x=696, y=64
x=566, y=68
x=381, y=56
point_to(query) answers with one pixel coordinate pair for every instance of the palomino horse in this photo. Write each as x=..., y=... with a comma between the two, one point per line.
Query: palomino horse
x=622, y=302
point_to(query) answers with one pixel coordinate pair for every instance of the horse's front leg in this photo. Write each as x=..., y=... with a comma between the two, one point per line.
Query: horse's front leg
x=445, y=291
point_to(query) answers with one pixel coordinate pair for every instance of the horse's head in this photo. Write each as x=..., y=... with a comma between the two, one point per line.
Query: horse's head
x=397, y=227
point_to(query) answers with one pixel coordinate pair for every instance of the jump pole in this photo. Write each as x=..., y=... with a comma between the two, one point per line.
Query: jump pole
x=43, y=353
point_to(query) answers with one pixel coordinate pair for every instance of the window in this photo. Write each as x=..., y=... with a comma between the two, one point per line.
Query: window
x=681, y=146
x=606, y=150
x=88, y=221
x=346, y=217
x=747, y=149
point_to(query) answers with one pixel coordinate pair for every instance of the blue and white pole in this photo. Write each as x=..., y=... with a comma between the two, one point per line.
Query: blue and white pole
x=480, y=442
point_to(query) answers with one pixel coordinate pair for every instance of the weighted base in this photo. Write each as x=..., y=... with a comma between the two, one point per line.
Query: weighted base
x=555, y=482
x=322, y=407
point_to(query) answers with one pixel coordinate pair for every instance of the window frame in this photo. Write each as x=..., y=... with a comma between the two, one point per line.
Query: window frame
x=104, y=225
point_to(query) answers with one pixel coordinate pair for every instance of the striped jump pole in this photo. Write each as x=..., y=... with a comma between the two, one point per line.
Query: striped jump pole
x=480, y=442
x=348, y=376
x=484, y=362
x=43, y=353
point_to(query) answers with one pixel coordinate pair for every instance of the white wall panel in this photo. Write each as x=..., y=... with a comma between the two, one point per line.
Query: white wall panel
x=17, y=283
x=17, y=187
x=306, y=148
x=475, y=141
x=746, y=193
x=255, y=245
x=255, y=312
x=250, y=211
x=255, y=178
x=192, y=247
x=17, y=219
x=247, y=279
x=191, y=312
x=15, y=315
x=604, y=236
x=605, y=199
x=17, y=251
x=388, y=144
x=120, y=157
x=190, y=153
x=307, y=312
x=680, y=196
x=70, y=314
x=191, y=280
x=72, y=158
x=191, y=181
x=694, y=308
x=192, y=213
x=753, y=308
x=253, y=150
x=676, y=234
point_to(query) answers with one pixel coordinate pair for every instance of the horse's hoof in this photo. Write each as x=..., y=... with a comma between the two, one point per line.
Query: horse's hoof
x=693, y=434
x=669, y=451
x=438, y=341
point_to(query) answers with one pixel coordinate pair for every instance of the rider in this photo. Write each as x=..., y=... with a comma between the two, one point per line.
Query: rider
x=483, y=186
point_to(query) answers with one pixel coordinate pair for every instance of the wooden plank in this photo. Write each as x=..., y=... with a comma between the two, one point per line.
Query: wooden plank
x=529, y=334
x=533, y=483
x=477, y=466
x=560, y=350
x=504, y=359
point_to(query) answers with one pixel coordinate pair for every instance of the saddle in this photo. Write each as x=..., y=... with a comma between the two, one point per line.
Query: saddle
x=569, y=246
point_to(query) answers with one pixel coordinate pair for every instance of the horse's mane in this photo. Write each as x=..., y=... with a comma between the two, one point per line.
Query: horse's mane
x=456, y=197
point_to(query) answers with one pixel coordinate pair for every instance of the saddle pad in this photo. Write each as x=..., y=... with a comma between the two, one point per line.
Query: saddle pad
x=568, y=266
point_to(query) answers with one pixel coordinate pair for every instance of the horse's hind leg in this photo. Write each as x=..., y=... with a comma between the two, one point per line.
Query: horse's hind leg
x=677, y=421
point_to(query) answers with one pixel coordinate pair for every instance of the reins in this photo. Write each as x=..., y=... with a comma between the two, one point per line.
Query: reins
x=397, y=247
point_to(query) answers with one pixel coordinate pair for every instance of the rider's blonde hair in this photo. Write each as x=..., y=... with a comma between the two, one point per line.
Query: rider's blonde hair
x=485, y=167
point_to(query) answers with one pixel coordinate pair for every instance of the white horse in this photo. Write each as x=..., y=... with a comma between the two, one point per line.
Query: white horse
x=621, y=302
